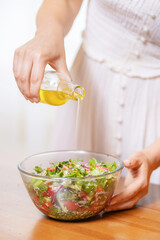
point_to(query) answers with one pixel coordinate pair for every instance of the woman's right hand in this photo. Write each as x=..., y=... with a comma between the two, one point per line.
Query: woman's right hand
x=30, y=60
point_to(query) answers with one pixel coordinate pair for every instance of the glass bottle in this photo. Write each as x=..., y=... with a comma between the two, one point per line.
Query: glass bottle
x=56, y=89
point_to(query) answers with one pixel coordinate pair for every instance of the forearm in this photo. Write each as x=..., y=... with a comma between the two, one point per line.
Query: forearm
x=59, y=12
x=153, y=154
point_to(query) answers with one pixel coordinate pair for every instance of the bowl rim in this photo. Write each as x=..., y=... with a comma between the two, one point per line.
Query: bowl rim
x=69, y=151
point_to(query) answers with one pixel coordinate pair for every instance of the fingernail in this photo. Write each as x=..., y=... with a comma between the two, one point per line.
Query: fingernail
x=35, y=99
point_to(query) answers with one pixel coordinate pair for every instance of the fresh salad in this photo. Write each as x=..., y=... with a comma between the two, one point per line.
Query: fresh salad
x=77, y=190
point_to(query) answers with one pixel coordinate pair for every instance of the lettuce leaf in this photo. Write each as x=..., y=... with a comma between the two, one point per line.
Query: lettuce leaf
x=93, y=163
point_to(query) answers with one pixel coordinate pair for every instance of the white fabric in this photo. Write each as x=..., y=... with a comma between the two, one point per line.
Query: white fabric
x=118, y=64
x=125, y=34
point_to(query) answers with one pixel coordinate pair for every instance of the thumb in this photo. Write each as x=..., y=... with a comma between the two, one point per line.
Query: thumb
x=60, y=66
x=133, y=161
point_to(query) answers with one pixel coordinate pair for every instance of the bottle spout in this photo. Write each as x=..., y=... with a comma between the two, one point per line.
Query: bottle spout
x=78, y=92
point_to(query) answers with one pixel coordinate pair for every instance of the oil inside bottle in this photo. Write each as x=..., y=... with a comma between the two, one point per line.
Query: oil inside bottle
x=53, y=97
x=56, y=98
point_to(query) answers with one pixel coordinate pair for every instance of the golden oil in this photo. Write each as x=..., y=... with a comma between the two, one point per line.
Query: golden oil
x=56, y=98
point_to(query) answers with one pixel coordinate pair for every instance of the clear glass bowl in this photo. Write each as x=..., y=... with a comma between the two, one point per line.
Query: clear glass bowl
x=69, y=198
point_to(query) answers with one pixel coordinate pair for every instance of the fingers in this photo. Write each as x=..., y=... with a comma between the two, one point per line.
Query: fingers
x=60, y=66
x=22, y=66
x=134, y=161
x=25, y=74
x=128, y=198
x=17, y=65
x=129, y=192
x=28, y=68
x=124, y=205
x=37, y=73
x=136, y=184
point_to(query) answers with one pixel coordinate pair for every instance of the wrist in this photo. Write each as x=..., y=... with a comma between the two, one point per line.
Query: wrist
x=51, y=26
x=150, y=159
x=152, y=153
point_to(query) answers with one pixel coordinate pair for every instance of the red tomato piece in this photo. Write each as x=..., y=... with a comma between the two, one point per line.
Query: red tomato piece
x=49, y=193
x=103, y=168
x=44, y=206
x=48, y=183
x=65, y=168
x=45, y=194
x=49, y=204
x=52, y=169
x=99, y=189
x=70, y=205
x=83, y=194
x=83, y=209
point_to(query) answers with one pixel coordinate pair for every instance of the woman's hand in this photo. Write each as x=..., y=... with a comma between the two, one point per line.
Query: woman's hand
x=30, y=60
x=136, y=182
x=54, y=20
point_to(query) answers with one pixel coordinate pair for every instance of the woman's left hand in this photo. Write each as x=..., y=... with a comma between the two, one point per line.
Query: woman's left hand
x=136, y=183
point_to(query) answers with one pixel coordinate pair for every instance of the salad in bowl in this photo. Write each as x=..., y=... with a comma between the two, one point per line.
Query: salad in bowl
x=70, y=185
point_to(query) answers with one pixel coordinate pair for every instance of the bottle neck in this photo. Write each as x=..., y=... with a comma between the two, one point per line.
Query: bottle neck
x=71, y=91
x=78, y=92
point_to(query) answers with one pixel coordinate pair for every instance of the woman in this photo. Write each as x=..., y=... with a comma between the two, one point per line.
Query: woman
x=119, y=66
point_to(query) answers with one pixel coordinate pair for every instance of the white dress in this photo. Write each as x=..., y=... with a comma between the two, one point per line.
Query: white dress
x=118, y=64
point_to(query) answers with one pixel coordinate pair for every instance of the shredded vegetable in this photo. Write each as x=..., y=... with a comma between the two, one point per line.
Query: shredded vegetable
x=67, y=198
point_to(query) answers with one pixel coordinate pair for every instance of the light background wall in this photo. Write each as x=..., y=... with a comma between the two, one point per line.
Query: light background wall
x=26, y=127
